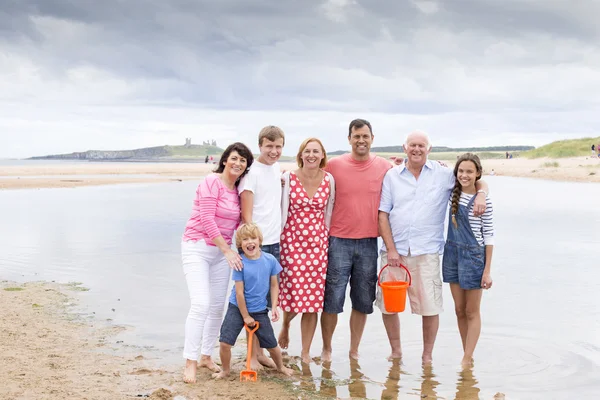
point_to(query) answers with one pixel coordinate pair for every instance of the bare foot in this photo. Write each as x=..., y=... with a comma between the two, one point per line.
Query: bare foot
x=467, y=362
x=353, y=355
x=266, y=361
x=286, y=371
x=189, y=374
x=207, y=362
x=284, y=337
x=326, y=355
x=395, y=356
x=221, y=375
x=426, y=359
x=255, y=365
x=305, y=357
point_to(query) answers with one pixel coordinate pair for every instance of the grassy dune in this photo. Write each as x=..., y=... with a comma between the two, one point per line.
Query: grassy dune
x=563, y=148
x=450, y=155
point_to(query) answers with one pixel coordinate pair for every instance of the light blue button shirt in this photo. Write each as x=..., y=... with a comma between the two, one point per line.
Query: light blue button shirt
x=417, y=208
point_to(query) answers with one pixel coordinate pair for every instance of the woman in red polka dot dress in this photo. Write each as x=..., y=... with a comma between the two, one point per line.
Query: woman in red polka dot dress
x=307, y=203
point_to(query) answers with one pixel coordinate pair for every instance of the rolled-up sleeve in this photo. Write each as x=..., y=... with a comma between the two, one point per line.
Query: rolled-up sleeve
x=386, y=203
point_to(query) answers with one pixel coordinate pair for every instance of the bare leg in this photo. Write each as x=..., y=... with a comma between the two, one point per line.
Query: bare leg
x=357, y=327
x=473, y=301
x=276, y=356
x=225, y=354
x=207, y=362
x=259, y=358
x=308, y=326
x=430, y=329
x=328, y=324
x=284, y=335
x=392, y=327
x=189, y=374
x=460, y=307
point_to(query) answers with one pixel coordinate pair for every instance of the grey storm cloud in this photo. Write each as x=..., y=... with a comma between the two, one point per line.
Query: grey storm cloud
x=500, y=67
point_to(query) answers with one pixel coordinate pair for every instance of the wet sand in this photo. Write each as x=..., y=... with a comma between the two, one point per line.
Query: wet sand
x=47, y=352
x=577, y=169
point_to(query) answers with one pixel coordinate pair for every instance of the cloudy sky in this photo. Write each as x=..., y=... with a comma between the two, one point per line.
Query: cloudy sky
x=121, y=74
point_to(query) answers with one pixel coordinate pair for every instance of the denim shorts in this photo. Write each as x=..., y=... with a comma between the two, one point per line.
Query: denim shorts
x=274, y=250
x=233, y=323
x=463, y=264
x=353, y=260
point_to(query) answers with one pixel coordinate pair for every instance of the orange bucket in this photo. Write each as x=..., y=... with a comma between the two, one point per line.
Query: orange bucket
x=394, y=292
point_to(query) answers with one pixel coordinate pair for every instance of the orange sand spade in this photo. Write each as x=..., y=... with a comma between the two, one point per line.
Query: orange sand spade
x=394, y=292
x=248, y=374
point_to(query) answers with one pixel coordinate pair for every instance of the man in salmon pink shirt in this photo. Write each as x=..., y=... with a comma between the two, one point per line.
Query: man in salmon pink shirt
x=353, y=235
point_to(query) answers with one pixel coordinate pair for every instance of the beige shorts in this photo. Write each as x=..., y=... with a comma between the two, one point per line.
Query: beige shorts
x=425, y=293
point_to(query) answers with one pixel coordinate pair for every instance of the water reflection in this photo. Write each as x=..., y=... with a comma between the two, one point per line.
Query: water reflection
x=123, y=243
x=466, y=388
x=392, y=383
x=428, y=384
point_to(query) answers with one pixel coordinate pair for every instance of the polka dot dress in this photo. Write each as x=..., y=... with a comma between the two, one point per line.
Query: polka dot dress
x=304, y=245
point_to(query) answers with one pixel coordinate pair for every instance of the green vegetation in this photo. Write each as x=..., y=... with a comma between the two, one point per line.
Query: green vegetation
x=551, y=164
x=444, y=149
x=195, y=150
x=564, y=148
x=77, y=286
x=13, y=289
x=448, y=156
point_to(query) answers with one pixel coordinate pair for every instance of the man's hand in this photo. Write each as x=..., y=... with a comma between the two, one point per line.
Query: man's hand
x=275, y=314
x=479, y=204
x=393, y=258
x=249, y=321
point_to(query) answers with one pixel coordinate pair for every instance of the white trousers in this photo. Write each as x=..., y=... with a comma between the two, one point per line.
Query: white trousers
x=207, y=274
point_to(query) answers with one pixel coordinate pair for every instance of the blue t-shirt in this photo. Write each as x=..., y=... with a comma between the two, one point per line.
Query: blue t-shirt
x=256, y=276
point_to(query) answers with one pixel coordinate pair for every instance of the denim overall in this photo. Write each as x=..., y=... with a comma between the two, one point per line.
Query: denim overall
x=464, y=258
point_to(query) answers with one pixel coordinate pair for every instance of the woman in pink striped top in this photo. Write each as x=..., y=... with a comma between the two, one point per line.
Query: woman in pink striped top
x=207, y=255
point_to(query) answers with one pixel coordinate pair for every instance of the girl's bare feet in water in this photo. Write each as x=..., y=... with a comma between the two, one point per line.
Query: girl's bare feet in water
x=353, y=355
x=220, y=375
x=326, y=355
x=207, y=362
x=305, y=357
x=189, y=374
x=467, y=362
x=395, y=356
x=426, y=359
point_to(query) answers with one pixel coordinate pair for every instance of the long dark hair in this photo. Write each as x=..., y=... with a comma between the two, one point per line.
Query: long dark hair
x=243, y=151
x=457, y=186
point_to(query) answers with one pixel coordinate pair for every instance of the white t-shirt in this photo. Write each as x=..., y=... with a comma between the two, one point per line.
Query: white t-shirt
x=265, y=182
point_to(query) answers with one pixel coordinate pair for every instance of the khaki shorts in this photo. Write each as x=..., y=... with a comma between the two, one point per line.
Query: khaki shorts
x=425, y=293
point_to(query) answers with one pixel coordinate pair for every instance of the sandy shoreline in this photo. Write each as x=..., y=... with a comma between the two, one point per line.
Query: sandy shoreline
x=576, y=169
x=46, y=352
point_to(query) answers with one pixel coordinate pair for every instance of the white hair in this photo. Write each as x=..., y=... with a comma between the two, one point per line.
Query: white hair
x=420, y=133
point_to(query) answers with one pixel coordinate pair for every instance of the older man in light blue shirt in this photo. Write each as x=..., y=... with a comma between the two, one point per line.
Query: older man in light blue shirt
x=414, y=202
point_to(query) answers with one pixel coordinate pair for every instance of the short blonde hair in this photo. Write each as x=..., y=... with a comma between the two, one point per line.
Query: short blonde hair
x=272, y=133
x=245, y=231
x=303, y=146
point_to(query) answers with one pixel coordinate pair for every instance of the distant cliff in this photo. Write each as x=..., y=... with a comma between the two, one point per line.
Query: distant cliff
x=148, y=153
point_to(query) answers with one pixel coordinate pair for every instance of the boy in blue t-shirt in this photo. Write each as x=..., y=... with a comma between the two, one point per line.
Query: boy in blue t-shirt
x=248, y=301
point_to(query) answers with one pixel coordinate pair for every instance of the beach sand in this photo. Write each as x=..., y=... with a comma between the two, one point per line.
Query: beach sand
x=47, y=352
x=577, y=169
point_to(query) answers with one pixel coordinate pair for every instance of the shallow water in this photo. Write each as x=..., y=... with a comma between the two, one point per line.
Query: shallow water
x=541, y=321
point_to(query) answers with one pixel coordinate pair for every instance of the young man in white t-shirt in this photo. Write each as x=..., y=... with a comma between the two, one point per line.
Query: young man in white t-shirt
x=260, y=197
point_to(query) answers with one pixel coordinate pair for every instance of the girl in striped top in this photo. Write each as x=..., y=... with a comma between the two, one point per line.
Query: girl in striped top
x=468, y=252
x=207, y=255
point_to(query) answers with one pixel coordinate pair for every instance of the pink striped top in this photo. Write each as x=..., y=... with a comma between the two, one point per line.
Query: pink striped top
x=216, y=212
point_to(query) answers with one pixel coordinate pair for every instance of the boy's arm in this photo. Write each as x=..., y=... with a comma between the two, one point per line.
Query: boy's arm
x=274, y=298
x=247, y=202
x=241, y=303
